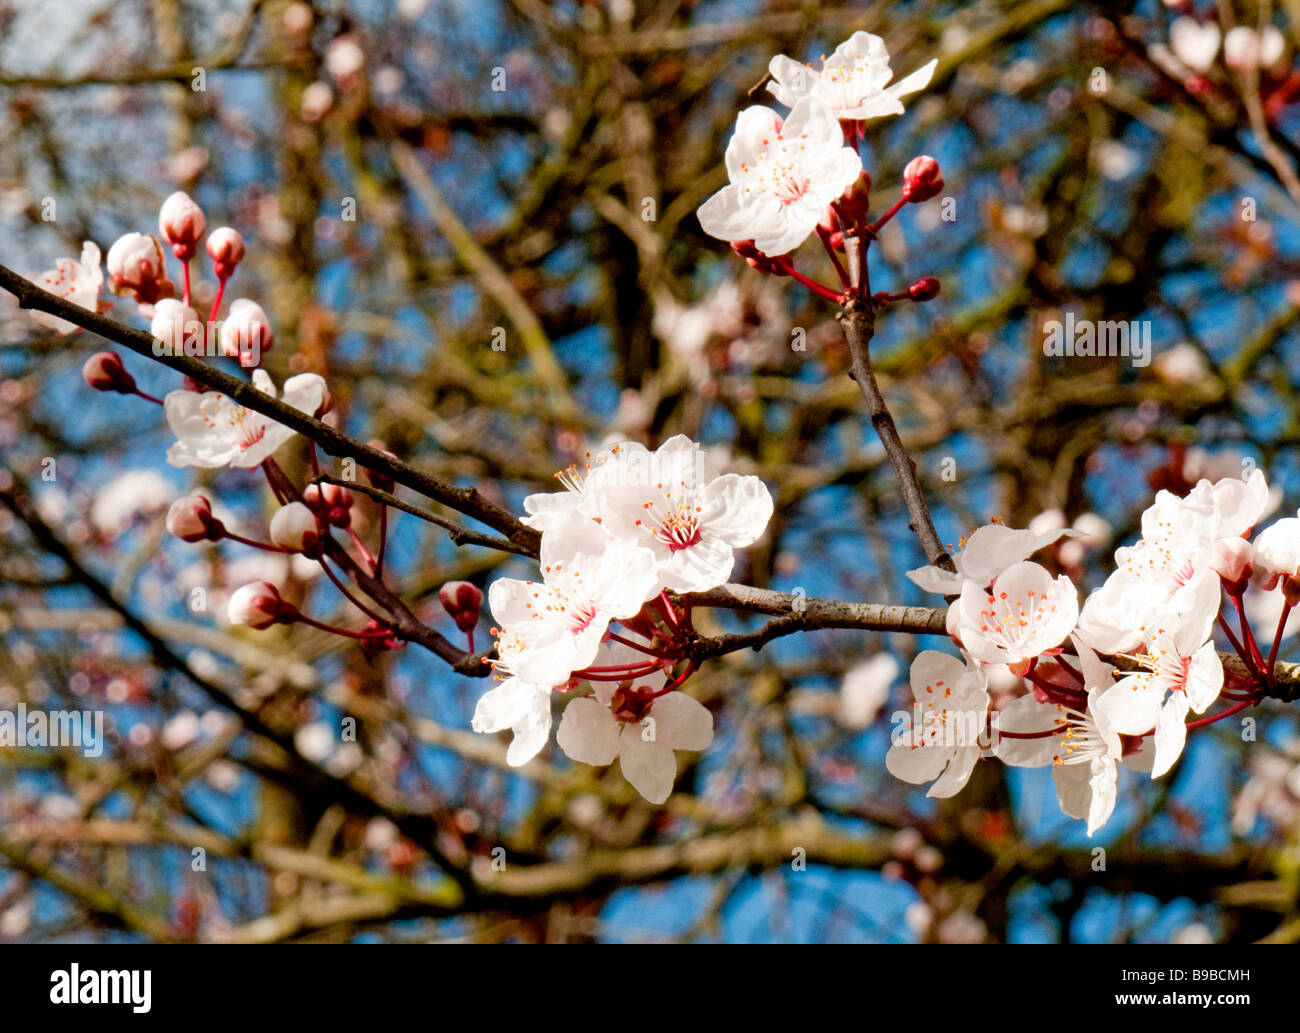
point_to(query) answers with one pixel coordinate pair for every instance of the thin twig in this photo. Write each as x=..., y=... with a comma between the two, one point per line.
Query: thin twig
x=857, y=318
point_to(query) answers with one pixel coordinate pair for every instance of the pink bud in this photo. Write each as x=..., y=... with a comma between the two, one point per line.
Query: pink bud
x=104, y=372
x=190, y=519
x=1233, y=560
x=226, y=247
x=331, y=502
x=924, y=289
x=136, y=266
x=258, y=604
x=922, y=179
x=177, y=329
x=181, y=222
x=295, y=527
x=246, y=332
x=463, y=602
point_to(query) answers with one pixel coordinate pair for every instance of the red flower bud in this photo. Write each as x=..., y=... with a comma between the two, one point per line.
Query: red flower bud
x=463, y=602
x=380, y=480
x=182, y=223
x=226, y=247
x=104, y=372
x=924, y=289
x=922, y=179
x=855, y=203
x=190, y=519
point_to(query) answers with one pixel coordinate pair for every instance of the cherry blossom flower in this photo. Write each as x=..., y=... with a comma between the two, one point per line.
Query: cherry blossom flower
x=522, y=707
x=213, y=430
x=624, y=720
x=783, y=177
x=1084, y=754
x=942, y=747
x=1182, y=671
x=557, y=510
x=77, y=282
x=1022, y=614
x=1165, y=568
x=988, y=551
x=562, y=619
x=674, y=503
x=853, y=80
x=1238, y=504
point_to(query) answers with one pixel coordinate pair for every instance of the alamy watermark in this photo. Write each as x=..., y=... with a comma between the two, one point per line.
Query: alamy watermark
x=1086, y=338
x=73, y=729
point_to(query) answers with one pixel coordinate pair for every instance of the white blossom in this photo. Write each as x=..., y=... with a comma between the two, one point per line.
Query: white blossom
x=853, y=81
x=213, y=430
x=783, y=175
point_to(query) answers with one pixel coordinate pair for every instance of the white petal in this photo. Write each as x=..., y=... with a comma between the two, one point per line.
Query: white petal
x=650, y=767
x=917, y=764
x=956, y=774
x=1171, y=734
x=682, y=723
x=918, y=80
x=588, y=732
x=737, y=508
x=1025, y=715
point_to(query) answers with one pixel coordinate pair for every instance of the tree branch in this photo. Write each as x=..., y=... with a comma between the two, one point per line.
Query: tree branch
x=857, y=318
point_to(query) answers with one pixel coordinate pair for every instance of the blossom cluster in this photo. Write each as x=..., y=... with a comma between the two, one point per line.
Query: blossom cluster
x=1115, y=681
x=629, y=528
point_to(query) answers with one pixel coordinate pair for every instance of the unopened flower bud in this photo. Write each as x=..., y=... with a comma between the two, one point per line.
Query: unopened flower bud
x=177, y=328
x=924, y=289
x=380, y=480
x=246, y=332
x=331, y=502
x=136, y=266
x=295, y=527
x=258, y=604
x=226, y=247
x=1233, y=560
x=922, y=179
x=855, y=203
x=181, y=222
x=104, y=372
x=463, y=602
x=190, y=519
